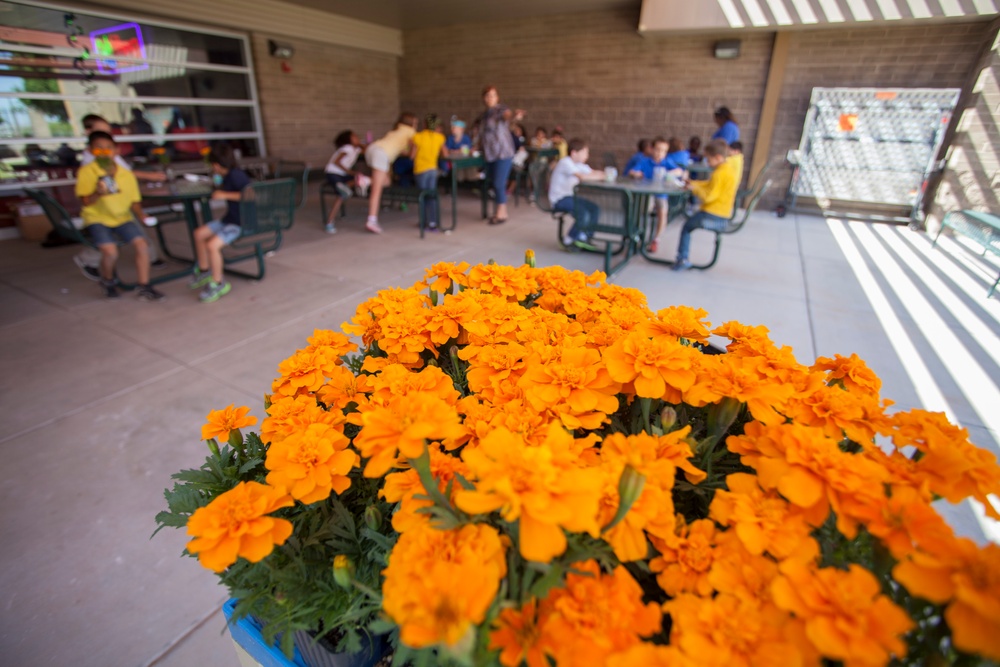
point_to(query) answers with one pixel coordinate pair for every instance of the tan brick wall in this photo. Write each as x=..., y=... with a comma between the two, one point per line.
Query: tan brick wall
x=937, y=56
x=591, y=73
x=330, y=88
x=596, y=77
x=972, y=176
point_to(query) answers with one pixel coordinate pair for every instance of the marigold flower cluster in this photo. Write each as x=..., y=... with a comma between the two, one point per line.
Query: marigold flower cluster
x=578, y=480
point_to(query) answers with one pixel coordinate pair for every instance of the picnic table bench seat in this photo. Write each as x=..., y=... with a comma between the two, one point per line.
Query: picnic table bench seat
x=983, y=228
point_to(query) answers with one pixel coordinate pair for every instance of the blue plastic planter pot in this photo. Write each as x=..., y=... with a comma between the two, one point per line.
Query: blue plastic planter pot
x=247, y=635
x=246, y=632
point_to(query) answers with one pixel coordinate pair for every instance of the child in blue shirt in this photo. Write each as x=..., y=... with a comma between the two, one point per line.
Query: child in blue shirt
x=728, y=128
x=677, y=155
x=643, y=154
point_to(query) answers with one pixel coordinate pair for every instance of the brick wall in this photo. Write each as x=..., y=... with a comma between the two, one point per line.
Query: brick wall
x=330, y=89
x=596, y=77
x=591, y=73
x=935, y=56
x=972, y=176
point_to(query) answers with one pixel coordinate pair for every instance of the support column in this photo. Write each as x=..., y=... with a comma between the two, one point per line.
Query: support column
x=769, y=109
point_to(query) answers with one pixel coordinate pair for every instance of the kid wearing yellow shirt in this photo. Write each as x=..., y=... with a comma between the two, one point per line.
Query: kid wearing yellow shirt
x=427, y=145
x=717, y=196
x=111, y=204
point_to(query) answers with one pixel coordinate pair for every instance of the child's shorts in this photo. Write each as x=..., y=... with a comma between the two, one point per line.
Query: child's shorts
x=226, y=231
x=377, y=158
x=123, y=233
x=333, y=179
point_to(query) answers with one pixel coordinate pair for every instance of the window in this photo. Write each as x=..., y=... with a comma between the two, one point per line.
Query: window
x=157, y=83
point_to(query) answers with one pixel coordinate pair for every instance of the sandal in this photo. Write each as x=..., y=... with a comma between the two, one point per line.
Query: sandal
x=653, y=246
x=496, y=221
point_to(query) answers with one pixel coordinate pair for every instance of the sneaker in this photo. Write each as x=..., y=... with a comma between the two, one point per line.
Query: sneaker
x=373, y=227
x=89, y=272
x=343, y=190
x=158, y=264
x=109, y=289
x=433, y=227
x=148, y=293
x=583, y=244
x=200, y=278
x=214, y=291
x=330, y=227
x=653, y=246
x=681, y=265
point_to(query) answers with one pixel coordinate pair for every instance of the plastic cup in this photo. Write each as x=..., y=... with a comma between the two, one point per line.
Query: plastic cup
x=150, y=221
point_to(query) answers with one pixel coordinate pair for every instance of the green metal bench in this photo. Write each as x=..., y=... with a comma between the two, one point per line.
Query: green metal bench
x=62, y=223
x=983, y=228
x=267, y=208
x=395, y=194
x=299, y=172
x=738, y=220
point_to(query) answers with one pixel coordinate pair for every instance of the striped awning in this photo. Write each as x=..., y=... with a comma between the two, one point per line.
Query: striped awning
x=684, y=15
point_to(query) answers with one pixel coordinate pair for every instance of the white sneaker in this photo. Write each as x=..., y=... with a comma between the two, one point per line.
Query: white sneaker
x=373, y=227
x=331, y=228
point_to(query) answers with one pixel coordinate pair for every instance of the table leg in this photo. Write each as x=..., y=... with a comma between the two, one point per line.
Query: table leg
x=192, y=222
x=454, y=197
x=675, y=203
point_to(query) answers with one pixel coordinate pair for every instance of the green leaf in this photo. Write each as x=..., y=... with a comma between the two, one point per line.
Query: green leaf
x=547, y=582
x=250, y=465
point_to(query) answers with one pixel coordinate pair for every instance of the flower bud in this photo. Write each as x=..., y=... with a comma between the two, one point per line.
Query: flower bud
x=236, y=439
x=668, y=417
x=630, y=486
x=373, y=518
x=343, y=570
x=529, y=257
x=267, y=401
x=213, y=446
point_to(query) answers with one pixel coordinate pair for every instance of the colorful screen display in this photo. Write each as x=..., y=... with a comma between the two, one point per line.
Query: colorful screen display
x=121, y=41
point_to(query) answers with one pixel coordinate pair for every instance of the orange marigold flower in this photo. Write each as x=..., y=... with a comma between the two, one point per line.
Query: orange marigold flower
x=509, y=282
x=311, y=463
x=236, y=525
x=404, y=425
x=403, y=336
x=764, y=521
x=846, y=616
x=494, y=370
x=441, y=276
x=659, y=368
x=221, y=422
x=656, y=459
x=951, y=465
x=811, y=471
x=447, y=320
x=967, y=578
x=576, y=386
x=679, y=322
x=516, y=634
x=303, y=372
x=736, y=631
x=543, y=488
x=905, y=520
x=440, y=583
x=595, y=616
x=725, y=375
x=291, y=414
x=394, y=380
x=686, y=558
x=852, y=372
x=838, y=412
x=333, y=342
x=342, y=389
x=401, y=487
x=739, y=572
x=650, y=655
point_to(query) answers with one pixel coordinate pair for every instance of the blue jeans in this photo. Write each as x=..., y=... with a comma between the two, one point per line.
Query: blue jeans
x=498, y=172
x=585, y=215
x=428, y=180
x=699, y=220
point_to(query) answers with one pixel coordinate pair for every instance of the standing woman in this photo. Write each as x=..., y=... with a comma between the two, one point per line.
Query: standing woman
x=728, y=128
x=380, y=155
x=498, y=146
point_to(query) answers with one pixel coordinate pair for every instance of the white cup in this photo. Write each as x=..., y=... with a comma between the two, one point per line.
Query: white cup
x=659, y=174
x=610, y=173
x=149, y=221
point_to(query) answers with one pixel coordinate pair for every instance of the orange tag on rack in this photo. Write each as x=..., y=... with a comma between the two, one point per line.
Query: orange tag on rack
x=848, y=122
x=885, y=95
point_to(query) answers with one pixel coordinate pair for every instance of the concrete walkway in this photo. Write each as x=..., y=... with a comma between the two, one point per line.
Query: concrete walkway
x=103, y=400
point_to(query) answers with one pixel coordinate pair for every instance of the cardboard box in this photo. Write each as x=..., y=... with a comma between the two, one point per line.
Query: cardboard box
x=32, y=222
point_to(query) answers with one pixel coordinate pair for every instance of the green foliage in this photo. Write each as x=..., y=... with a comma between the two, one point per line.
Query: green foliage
x=51, y=108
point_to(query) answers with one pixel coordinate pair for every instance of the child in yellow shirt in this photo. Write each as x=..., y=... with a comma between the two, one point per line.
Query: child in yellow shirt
x=717, y=196
x=427, y=145
x=111, y=205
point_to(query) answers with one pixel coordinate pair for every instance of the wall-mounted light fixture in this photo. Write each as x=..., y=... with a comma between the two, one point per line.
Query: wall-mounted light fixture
x=727, y=49
x=280, y=50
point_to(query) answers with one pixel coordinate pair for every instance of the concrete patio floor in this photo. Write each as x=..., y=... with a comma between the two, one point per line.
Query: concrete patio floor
x=103, y=400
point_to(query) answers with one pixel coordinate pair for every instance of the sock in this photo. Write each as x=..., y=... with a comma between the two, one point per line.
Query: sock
x=372, y=218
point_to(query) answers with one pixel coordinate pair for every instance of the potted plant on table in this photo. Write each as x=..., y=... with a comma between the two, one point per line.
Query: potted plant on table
x=528, y=466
